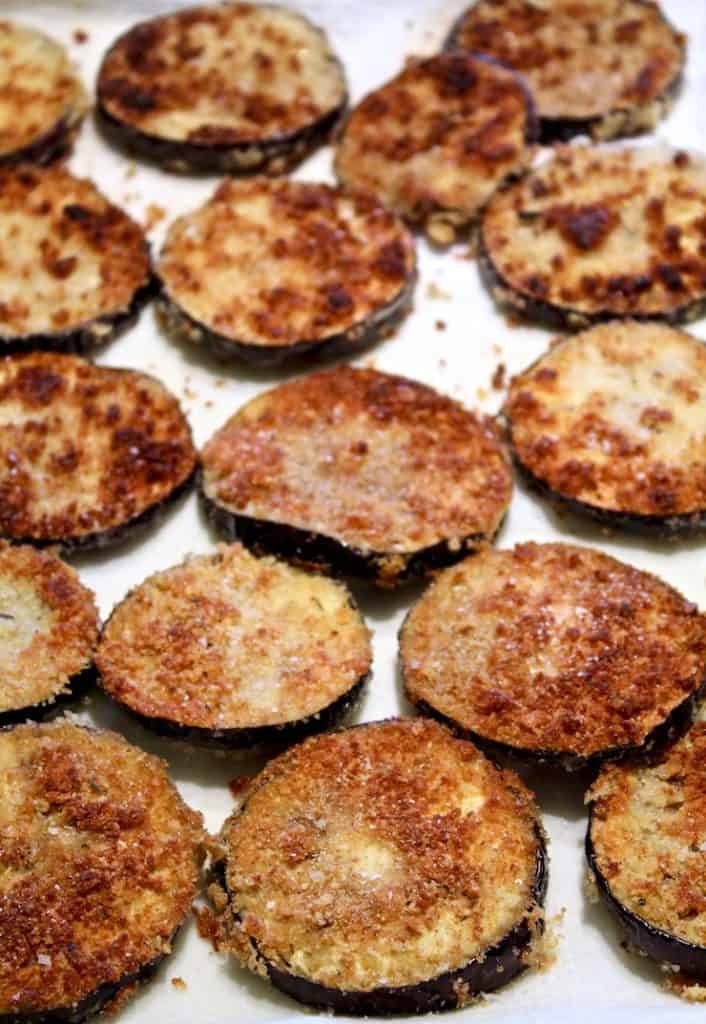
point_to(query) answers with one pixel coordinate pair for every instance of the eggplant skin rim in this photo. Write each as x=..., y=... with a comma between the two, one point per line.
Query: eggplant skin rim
x=348, y=342
x=77, y=687
x=656, y=943
x=55, y=142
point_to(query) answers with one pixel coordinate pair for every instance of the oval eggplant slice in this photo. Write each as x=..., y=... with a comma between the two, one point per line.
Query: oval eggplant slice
x=435, y=142
x=645, y=848
x=270, y=269
x=42, y=100
x=360, y=471
x=87, y=453
x=388, y=868
x=230, y=87
x=612, y=424
x=231, y=651
x=98, y=868
x=600, y=67
x=48, y=633
x=600, y=232
x=554, y=653
x=76, y=268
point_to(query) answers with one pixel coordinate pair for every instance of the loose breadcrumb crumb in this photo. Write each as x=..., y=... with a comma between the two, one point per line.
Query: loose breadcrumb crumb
x=440, y=325
x=434, y=291
x=497, y=381
x=80, y=35
x=179, y=983
x=153, y=215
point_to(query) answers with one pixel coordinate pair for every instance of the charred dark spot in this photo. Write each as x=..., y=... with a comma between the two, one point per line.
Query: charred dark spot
x=586, y=227
x=390, y=260
x=681, y=159
x=128, y=95
x=672, y=238
x=455, y=73
x=537, y=285
x=62, y=268
x=338, y=298
x=37, y=385
x=670, y=277
x=77, y=213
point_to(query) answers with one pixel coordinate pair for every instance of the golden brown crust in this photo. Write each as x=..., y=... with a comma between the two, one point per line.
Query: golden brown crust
x=280, y=263
x=583, y=59
x=84, y=449
x=69, y=257
x=48, y=627
x=383, y=855
x=375, y=461
x=551, y=647
x=647, y=831
x=99, y=860
x=614, y=418
x=600, y=231
x=229, y=74
x=230, y=641
x=434, y=143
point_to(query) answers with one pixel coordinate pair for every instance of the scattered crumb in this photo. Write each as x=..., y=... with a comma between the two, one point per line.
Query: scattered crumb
x=497, y=349
x=481, y=394
x=370, y=364
x=435, y=292
x=219, y=382
x=442, y=364
x=179, y=983
x=497, y=381
x=238, y=784
x=154, y=214
x=208, y=404
x=130, y=170
x=80, y=35
x=512, y=321
x=189, y=393
x=440, y=325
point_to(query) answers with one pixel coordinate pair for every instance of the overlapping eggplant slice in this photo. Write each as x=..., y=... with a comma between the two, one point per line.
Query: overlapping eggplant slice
x=555, y=653
x=230, y=651
x=645, y=849
x=74, y=267
x=435, y=142
x=48, y=633
x=359, y=471
x=611, y=424
x=87, y=453
x=233, y=87
x=605, y=68
x=42, y=100
x=388, y=868
x=598, y=232
x=269, y=269
x=99, y=866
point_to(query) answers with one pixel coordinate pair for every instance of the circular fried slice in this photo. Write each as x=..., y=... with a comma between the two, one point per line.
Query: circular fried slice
x=229, y=87
x=73, y=267
x=645, y=848
x=98, y=869
x=42, y=100
x=87, y=453
x=229, y=650
x=360, y=471
x=602, y=67
x=555, y=652
x=612, y=424
x=435, y=142
x=600, y=232
x=268, y=269
x=48, y=633
x=389, y=868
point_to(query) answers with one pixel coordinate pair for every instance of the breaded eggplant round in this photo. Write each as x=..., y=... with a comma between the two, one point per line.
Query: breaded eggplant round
x=435, y=142
x=645, y=848
x=598, y=232
x=611, y=423
x=98, y=868
x=362, y=472
x=555, y=653
x=87, y=453
x=600, y=67
x=232, y=651
x=42, y=100
x=232, y=87
x=388, y=868
x=268, y=269
x=73, y=266
x=48, y=633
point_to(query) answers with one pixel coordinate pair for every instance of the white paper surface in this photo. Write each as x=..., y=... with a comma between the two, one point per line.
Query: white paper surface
x=592, y=979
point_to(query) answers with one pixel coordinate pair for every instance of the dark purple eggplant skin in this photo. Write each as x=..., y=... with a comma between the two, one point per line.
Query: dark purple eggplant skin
x=658, y=944
x=54, y=143
x=498, y=965
x=78, y=687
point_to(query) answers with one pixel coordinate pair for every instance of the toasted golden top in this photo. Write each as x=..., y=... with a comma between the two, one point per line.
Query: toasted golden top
x=279, y=262
x=84, y=448
x=647, y=829
x=615, y=417
x=48, y=626
x=373, y=460
x=604, y=230
x=67, y=255
x=39, y=87
x=441, y=135
x=98, y=863
x=581, y=58
x=553, y=647
x=380, y=856
x=228, y=641
x=222, y=75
